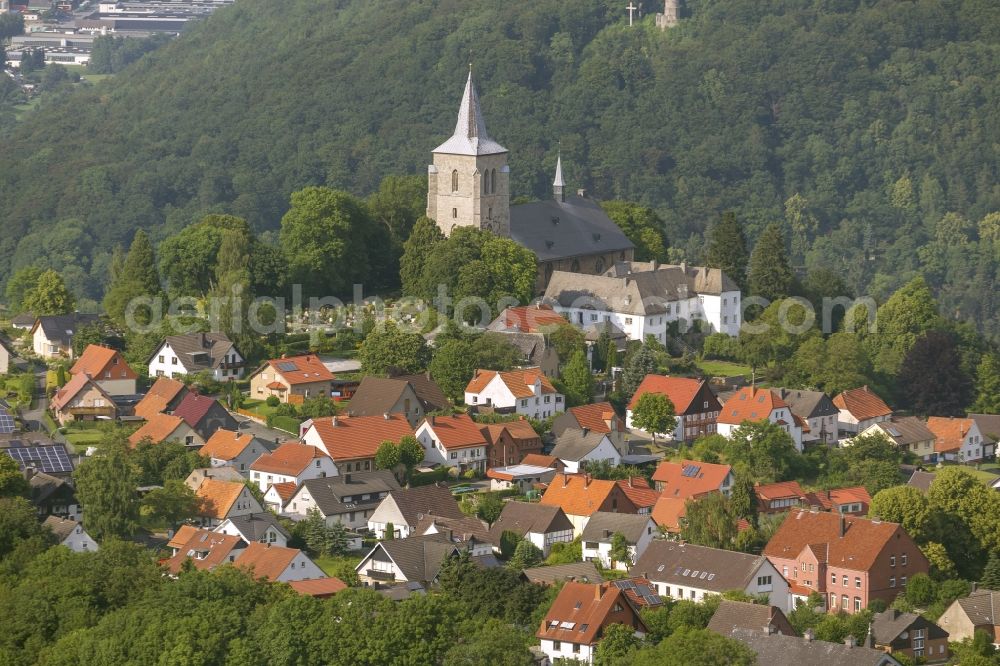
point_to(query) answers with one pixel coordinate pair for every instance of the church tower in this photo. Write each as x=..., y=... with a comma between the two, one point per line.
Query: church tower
x=671, y=15
x=469, y=182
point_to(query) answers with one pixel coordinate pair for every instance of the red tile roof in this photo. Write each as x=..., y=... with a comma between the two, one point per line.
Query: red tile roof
x=680, y=390
x=578, y=495
x=538, y=460
x=159, y=428
x=205, y=549
x=193, y=408
x=581, y=610
x=519, y=382
x=351, y=437
x=73, y=388
x=675, y=482
x=857, y=549
x=159, y=396
x=520, y=430
x=456, y=432
x=285, y=490
x=265, y=560
x=184, y=532
x=831, y=499
x=529, y=319
x=307, y=369
x=596, y=417
x=289, y=459
x=217, y=497
x=97, y=360
x=668, y=513
x=320, y=588
x=638, y=491
x=781, y=490
x=751, y=404
x=862, y=403
x=949, y=432
x=225, y=444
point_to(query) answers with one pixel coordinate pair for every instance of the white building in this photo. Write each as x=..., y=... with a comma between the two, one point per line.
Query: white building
x=292, y=462
x=278, y=564
x=639, y=532
x=453, y=441
x=686, y=571
x=349, y=499
x=643, y=299
x=540, y=524
x=71, y=534
x=226, y=448
x=860, y=409
x=527, y=392
x=261, y=527
x=757, y=404
x=576, y=447
x=405, y=508
x=958, y=439
x=195, y=353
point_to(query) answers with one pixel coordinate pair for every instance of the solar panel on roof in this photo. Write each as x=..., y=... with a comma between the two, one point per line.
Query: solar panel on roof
x=286, y=366
x=49, y=459
x=6, y=421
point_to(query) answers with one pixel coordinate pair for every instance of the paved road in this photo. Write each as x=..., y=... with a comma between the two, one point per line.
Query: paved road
x=261, y=431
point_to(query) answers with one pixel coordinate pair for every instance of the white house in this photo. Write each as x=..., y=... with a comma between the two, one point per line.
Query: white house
x=262, y=527
x=453, y=441
x=685, y=571
x=52, y=335
x=277, y=564
x=638, y=530
x=575, y=447
x=643, y=299
x=523, y=477
x=860, y=409
x=540, y=524
x=349, y=499
x=958, y=439
x=292, y=462
x=71, y=534
x=758, y=404
x=226, y=448
x=414, y=560
x=195, y=353
x=405, y=508
x=527, y=392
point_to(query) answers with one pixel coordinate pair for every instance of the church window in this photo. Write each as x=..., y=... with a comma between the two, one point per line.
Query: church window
x=575, y=266
x=486, y=182
x=599, y=265
x=493, y=181
x=489, y=213
x=454, y=212
x=454, y=180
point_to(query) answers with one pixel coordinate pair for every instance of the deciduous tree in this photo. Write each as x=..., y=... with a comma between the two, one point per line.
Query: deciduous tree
x=49, y=296
x=106, y=487
x=578, y=380
x=654, y=413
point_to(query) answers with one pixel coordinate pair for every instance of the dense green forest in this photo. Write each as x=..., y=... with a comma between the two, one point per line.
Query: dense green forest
x=868, y=128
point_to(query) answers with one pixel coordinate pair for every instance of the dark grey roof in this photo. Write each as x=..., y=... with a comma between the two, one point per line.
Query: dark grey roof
x=377, y=395
x=581, y=572
x=982, y=607
x=466, y=528
x=887, y=626
x=253, y=526
x=44, y=485
x=906, y=430
x=989, y=425
x=921, y=480
x=781, y=650
x=731, y=615
x=427, y=390
x=594, y=331
x=711, y=569
x=523, y=517
x=336, y=495
x=60, y=328
x=808, y=404
x=470, y=137
x=25, y=320
x=419, y=558
x=415, y=503
x=604, y=524
x=572, y=228
x=575, y=443
x=61, y=527
x=199, y=351
x=531, y=345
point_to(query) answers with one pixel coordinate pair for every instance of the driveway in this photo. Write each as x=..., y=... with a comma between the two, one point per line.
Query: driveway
x=261, y=431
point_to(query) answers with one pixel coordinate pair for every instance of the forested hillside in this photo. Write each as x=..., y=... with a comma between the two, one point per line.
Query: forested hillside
x=869, y=127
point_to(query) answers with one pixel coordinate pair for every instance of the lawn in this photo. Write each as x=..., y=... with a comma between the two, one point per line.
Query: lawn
x=83, y=438
x=722, y=368
x=337, y=566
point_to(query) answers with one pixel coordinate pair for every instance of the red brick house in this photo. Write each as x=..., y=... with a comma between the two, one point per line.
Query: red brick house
x=508, y=443
x=848, y=560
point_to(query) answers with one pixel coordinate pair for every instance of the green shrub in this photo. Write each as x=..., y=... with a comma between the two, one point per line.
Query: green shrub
x=272, y=401
x=286, y=423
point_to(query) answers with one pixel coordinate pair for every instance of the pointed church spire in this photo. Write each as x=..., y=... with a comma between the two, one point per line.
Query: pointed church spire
x=558, y=185
x=470, y=137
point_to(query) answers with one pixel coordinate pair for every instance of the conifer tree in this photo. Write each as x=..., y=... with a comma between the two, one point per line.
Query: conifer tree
x=642, y=363
x=991, y=574
x=988, y=385
x=770, y=273
x=727, y=249
x=137, y=277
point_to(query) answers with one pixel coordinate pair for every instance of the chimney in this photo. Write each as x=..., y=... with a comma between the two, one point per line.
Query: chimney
x=586, y=480
x=586, y=431
x=630, y=481
x=843, y=525
x=432, y=419
x=565, y=479
x=849, y=641
x=684, y=267
x=333, y=421
x=385, y=415
x=29, y=472
x=607, y=534
x=808, y=635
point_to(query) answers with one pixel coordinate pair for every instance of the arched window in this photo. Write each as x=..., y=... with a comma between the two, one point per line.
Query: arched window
x=575, y=266
x=454, y=180
x=599, y=265
x=493, y=181
x=454, y=212
x=486, y=182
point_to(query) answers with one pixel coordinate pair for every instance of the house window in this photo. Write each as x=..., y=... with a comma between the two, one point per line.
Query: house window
x=576, y=647
x=902, y=560
x=454, y=455
x=902, y=581
x=892, y=560
x=628, y=321
x=857, y=582
x=846, y=581
x=833, y=579
x=857, y=604
x=844, y=601
x=173, y=361
x=763, y=581
x=556, y=646
x=161, y=358
x=454, y=213
x=892, y=581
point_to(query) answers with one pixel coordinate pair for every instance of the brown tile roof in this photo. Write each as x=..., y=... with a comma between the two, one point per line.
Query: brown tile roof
x=982, y=607
x=181, y=537
x=519, y=382
x=527, y=319
x=159, y=428
x=831, y=499
x=318, y=587
x=638, y=491
x=584, y=572
x=225, y=444
x=680, y=390
x=217, y=497
x=415, y=503
x=781, y=490
x=265, y=560
x=518, y=430
x=740, y=614
x=427, y=390
x=578, y=495
x=668, y=512
x=205, y=549
x=456, y=432
x=675, y=482
x=304, y=369
x=72, y=389
x=285, y=490
x=159, y=397
x=96, y=360
x=856, y=549
x=862, y=403
x=750, y=404
x=715, y=569
x=539, y=460
x=579, y=612
x=524, y=517
x=949, y=432
x=290, y=459
x=596, y=417
x=350, y=437
x=921, y=480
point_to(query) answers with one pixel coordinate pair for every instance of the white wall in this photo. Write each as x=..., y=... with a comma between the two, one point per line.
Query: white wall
x=301, y=568
x=79, y=541
x=603, y=451
x=271, y=536
x=538, y=406
x=677, y=433
x=171, y=366
x=585, y=655
x=388, y=512
x=603, y=550
x=778, y=589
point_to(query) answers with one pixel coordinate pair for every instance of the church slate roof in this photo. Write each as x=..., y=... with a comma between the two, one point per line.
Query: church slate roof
x=562, y=229
x=470, y=137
